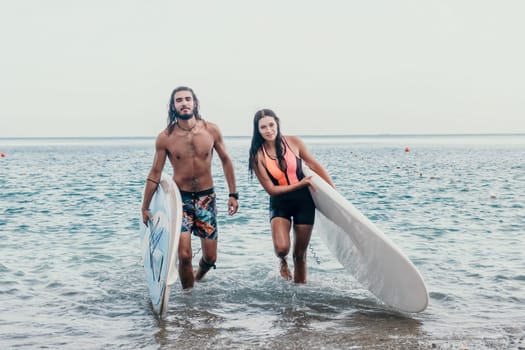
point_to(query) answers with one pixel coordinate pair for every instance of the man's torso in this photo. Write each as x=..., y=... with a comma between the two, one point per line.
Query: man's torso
x=190, y=154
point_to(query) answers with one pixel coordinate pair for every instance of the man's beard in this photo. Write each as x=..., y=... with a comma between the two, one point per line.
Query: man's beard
x=185, y=116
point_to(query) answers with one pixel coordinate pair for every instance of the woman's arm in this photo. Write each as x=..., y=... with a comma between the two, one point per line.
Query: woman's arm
x=309, y=159
x=269, y=186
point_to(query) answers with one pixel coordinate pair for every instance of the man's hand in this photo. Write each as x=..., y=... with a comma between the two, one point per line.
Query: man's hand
x=233, y=205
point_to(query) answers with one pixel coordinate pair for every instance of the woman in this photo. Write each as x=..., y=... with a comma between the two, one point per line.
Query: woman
x=277, y=160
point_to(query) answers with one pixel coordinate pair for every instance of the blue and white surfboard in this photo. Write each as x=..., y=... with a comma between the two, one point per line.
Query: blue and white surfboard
x=160, y=242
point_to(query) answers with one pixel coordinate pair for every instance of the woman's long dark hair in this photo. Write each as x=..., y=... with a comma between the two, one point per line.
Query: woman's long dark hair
x=258, y=140
x=172, y=113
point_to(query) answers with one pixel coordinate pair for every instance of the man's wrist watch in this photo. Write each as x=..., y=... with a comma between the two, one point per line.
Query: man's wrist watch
x=234, y=195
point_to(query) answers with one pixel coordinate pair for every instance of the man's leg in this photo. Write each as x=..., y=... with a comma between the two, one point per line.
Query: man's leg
x=209, y=256
x=187, y=278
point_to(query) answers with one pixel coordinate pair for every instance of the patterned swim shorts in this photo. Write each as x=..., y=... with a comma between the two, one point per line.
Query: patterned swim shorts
x=199, y=213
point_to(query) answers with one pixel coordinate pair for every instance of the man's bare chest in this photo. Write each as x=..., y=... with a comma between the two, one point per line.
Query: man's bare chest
x=191, y=146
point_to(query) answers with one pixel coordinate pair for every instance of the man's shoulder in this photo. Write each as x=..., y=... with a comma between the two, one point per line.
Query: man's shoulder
x=210, y=125
x=162, y=136
x=212, y=128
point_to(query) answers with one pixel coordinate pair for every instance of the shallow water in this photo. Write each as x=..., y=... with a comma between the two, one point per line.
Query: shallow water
x=71, y=274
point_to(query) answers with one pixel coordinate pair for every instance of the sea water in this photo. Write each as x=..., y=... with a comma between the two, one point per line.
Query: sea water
x=71, y=273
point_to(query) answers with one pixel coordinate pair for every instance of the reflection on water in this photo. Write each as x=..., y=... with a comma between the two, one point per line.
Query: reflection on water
x=71, y=274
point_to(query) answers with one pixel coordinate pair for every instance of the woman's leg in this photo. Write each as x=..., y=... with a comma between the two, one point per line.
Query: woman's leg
x=302, y=234
x=281, y=244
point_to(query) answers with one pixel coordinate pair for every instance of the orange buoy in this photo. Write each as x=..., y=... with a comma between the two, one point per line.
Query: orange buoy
x=2, y=155
x=407, y=149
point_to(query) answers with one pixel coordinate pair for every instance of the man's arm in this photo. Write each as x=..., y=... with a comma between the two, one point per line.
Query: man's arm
x=227, y=166
x=154, y=175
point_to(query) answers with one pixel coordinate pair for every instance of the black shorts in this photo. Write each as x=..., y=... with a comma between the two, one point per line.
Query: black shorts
x=297, y=206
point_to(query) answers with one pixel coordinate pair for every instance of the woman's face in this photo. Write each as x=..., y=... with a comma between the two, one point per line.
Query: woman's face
x=268, y=128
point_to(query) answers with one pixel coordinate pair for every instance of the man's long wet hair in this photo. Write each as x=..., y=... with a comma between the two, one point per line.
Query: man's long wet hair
x=258, y=140
x=172, y=113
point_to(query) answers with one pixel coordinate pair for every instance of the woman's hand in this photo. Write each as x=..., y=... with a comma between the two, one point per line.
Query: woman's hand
x=308, y=181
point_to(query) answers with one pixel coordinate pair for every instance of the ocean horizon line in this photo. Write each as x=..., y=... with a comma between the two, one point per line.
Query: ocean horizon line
x=388, y=135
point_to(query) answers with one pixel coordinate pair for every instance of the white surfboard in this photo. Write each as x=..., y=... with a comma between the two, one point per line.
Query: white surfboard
x=361, y=247
x=160, y=242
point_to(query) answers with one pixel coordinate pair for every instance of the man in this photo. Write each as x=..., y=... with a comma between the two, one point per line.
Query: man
x=188, y=142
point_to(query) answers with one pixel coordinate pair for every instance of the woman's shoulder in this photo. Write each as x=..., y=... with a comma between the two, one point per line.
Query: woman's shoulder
x=293, y=140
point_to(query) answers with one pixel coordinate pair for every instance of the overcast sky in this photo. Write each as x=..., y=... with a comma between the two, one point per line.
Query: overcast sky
x=107, y=68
